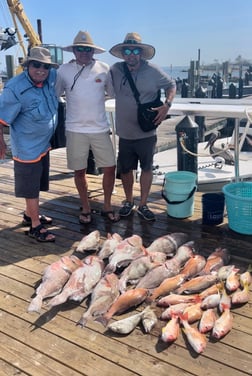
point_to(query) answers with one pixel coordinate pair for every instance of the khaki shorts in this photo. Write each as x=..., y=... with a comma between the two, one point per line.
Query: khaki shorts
x=79, y=144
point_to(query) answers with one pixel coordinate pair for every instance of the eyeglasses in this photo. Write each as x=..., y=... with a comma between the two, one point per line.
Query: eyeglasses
x=83, y=49
x=128, y=51
x=37, y=65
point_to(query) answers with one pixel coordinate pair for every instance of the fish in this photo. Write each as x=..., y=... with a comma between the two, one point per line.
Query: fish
x=53, y=279
x=153, y=278
x=233, y=281
x=225, y=299
x=211, y=301
x=246, y=277
x=207, y=320
x=213, y=289
x=149, y=319
x=175, y=309
x=224, y=271
x=130, y=298
x=127, y=325
x=81, y=281
x=215, y=261
x=169, y=243
x=195, y=338
x=172, y=299
x=168, y=285
x=193, y=312
x=241, y=296
x=170, y=331
x=223, y=324
x=109, y=245
x=135, y=270
x=193, y=266
x=90, y=242
x=197, y=284
x=102, y=297
x=125, y=252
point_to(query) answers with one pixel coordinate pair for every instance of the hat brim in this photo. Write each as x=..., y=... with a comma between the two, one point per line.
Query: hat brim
x=147, y=53
x=54, y=65
x=97, y=49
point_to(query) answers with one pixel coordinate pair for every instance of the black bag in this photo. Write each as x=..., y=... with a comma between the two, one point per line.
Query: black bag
x=146, y=115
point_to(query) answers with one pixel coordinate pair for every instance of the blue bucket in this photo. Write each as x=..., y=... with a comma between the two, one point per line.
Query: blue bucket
x=178, y=191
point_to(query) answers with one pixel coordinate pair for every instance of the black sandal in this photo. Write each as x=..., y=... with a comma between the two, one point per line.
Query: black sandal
x=35, y=232
x=43, y=220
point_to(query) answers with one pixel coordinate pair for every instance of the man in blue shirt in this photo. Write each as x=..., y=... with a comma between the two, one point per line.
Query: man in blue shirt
x=28, y=105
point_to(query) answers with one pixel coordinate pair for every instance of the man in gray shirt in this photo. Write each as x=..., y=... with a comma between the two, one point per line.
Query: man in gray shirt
x=135, y=145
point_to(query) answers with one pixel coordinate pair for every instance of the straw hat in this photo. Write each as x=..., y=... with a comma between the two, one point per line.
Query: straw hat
x=133, y=40
x=40, y=54
x=84, y=39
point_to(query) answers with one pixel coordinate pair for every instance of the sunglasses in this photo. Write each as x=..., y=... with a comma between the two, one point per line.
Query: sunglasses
x=83, y=49
x=128, y=51
x=37, y=65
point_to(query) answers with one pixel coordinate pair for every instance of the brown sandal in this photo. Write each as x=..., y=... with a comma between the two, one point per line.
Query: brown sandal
x=85, y=218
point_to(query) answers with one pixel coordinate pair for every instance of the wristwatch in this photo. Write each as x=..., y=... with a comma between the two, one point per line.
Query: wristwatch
x=169, y=103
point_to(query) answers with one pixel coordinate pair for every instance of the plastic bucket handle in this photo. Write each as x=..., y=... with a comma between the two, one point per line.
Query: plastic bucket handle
x=177, y=202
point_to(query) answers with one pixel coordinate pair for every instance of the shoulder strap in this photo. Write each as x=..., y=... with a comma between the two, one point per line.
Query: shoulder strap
x=131, y=82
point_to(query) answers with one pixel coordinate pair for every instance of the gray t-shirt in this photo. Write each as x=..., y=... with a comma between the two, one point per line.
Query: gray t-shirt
x=149, y=79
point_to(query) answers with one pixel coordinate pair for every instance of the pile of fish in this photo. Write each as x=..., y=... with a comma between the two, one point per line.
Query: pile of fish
x=119, y=274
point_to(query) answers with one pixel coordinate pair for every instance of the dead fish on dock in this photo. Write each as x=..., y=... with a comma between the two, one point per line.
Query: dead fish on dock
x=168, y=285
x=136, y=270
x=196, y=339
x=193, y=266
x=223, y=324
x=127, y=325
x=149, y=319
x=197, y=284
x=54, y=278
x=89, y=242
x=207, y=320
x=216, y=260
x=103, y=295
x=173, y=299
x=170, y=331
x=109, y=245
x=81, y=281
x=168, y=244
x=129, y=299
x=126, y=251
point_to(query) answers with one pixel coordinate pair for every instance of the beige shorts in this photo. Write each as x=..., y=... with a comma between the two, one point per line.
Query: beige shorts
x=79, y=144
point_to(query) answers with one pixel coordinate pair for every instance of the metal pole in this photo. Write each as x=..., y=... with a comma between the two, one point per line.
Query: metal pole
x=236, y=150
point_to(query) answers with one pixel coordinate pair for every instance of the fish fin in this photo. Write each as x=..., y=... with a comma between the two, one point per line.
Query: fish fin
x=82, y=322
x=103, y=320
x=35, y=305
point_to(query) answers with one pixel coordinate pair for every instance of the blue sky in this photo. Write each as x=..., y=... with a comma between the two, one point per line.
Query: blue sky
x=221, y=29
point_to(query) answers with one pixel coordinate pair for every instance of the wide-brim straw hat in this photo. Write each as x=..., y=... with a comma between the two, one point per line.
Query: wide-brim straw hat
x=133, y=40
x=40, y=54
x=84, y=39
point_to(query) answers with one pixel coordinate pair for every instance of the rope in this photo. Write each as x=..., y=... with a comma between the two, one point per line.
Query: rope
x=181, y=140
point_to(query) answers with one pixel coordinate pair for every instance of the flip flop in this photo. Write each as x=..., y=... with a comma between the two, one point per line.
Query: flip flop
x=87, y=220
x=110, y=215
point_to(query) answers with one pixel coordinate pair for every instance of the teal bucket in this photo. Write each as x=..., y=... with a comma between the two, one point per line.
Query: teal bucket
x=178, y=191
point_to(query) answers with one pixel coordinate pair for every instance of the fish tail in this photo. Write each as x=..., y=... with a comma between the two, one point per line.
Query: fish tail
x=82, y=322
x=35, y=305
x=103, y=320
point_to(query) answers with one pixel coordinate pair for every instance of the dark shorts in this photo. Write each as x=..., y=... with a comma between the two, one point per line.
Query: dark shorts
x=133, y=151
x=31, y=178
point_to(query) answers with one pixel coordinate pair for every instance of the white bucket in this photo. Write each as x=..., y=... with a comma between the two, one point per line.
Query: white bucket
x=178, y=192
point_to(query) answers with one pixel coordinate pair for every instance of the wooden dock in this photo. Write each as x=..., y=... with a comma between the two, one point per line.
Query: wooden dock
x=52, y=344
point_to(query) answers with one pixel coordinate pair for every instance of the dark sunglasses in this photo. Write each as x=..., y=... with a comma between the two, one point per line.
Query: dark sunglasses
x=83, y=49
x=128, y=51
x=37, y=65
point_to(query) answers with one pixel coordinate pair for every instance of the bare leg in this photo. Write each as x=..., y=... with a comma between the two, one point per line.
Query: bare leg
x=145, y=184
x=108, y=186
x=82, y=188
x=128, y=181
x=32, y=210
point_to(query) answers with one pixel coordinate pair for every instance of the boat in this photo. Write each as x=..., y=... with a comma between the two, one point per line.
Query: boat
x=212, y=174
